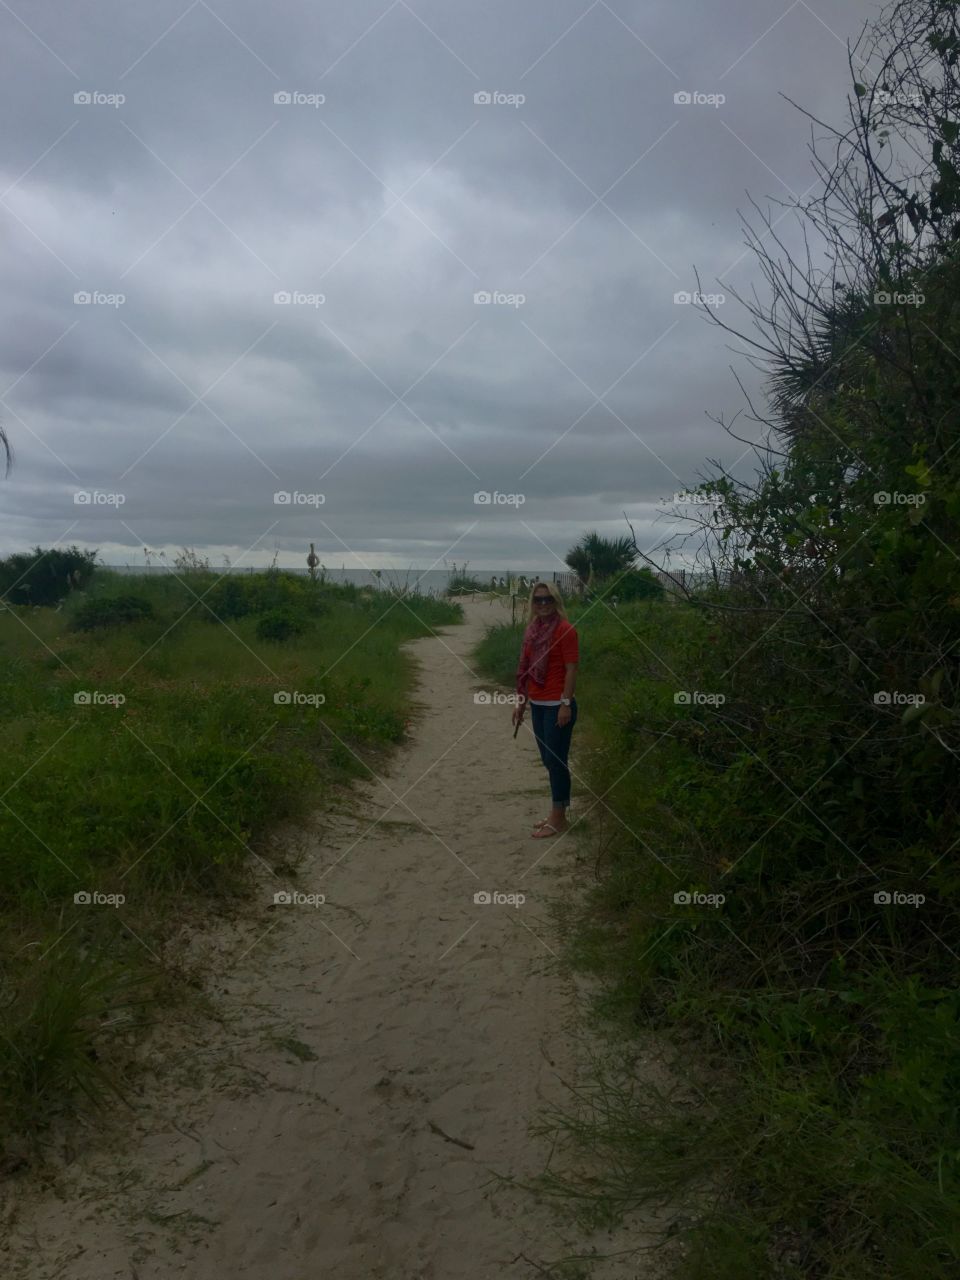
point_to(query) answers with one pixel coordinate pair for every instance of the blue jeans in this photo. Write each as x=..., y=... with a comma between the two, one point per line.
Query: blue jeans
x=554, y=744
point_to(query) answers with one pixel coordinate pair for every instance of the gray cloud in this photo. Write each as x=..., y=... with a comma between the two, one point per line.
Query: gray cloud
x=595, y=199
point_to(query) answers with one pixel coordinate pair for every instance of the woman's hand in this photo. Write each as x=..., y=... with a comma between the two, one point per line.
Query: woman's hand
x=563, y=716
x=517, y=717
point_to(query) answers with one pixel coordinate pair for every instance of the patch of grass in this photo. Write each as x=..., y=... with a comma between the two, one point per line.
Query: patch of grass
x=499, y=651
x=145, y=762
x=54, y=1021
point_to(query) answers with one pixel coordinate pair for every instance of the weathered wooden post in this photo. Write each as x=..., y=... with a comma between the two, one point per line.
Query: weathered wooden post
x=312, y=561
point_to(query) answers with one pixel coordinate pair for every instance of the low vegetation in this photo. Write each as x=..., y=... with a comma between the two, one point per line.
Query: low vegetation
x=150, y=746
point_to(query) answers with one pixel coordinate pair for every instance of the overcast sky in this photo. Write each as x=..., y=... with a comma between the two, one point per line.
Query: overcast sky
x=381, y=198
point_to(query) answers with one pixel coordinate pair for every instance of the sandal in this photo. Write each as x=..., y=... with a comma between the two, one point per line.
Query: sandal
x=544, y=832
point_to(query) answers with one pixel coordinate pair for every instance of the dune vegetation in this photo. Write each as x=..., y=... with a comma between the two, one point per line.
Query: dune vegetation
x=156, y=728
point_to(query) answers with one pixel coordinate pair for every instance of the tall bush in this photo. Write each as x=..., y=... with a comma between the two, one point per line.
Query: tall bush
x=45, y=577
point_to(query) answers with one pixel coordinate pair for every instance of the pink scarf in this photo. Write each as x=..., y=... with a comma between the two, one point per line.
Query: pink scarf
x=535, y=653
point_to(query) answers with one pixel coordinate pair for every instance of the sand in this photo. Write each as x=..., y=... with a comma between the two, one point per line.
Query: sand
x=379, y=1057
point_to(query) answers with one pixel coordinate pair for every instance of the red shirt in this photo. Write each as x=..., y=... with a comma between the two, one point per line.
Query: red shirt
x=565, y=648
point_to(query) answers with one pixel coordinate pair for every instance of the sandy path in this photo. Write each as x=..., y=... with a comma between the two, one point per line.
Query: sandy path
x=412, y=1015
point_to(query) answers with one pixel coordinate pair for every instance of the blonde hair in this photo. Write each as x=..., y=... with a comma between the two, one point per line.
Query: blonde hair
x=557, y=600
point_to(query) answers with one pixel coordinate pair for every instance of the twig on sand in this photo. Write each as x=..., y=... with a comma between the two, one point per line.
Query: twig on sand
x=523, y=1257
x=459, y=1141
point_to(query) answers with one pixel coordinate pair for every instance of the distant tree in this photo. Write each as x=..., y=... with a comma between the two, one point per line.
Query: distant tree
x=45, y=577
x=601, y=557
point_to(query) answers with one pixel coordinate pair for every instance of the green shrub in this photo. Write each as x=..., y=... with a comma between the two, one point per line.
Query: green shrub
x=281, y=625
x=111, y=611
x=45, y=577
x=635, y=584
x=237, y=596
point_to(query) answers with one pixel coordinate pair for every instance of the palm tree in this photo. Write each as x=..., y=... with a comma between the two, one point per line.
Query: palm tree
x=601, y=557
x=834, y=350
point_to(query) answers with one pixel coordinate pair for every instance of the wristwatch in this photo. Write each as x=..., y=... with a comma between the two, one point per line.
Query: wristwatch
x=565, y=702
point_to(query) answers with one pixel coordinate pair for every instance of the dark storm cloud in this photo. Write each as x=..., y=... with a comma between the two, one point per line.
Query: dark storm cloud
x=185, y=209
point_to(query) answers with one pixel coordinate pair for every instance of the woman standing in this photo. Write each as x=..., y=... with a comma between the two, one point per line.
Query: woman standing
x=546, y=678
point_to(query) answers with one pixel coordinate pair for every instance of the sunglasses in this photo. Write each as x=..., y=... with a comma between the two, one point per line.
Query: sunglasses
x=543, y=599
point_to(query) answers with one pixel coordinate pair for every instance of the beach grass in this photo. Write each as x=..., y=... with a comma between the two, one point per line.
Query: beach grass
x=146, y=762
